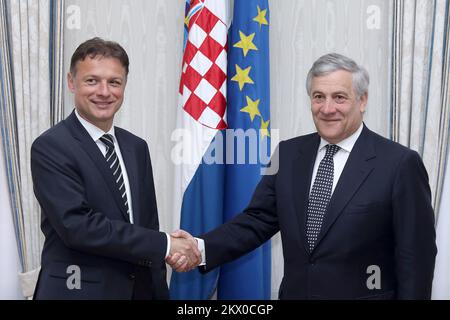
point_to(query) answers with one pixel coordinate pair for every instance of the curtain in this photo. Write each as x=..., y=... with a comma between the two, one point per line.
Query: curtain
x=9, y=130
x=57, y=76
x=9, y=263
x=420, y=82
x=441, y=282
x=31, y=103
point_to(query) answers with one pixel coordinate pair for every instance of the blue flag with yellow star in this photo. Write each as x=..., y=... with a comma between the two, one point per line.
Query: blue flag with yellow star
x=248, y=108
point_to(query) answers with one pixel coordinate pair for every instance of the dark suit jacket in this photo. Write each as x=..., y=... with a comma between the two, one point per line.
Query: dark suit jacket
x=84, y=219
x=379, y=215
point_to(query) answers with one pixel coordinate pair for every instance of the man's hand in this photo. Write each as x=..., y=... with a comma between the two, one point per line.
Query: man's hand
x=184, y=254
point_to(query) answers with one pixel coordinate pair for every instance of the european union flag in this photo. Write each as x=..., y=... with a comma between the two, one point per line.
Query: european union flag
x=248, y=108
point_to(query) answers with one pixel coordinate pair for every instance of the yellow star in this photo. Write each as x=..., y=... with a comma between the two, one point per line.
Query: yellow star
x=246, y=43
x=242, y=77
x=252, y=108
x=264, y=129
x=261, y=17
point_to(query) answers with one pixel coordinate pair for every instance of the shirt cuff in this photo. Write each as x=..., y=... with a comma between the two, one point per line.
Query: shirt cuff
x=168, y=245
x=201, y=248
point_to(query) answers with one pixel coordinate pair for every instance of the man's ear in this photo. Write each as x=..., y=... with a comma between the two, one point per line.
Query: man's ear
x=363, y=102
x=70, y=82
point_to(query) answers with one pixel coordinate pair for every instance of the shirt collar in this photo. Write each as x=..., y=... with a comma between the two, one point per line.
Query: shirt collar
x=95, y=132
x=346, y=144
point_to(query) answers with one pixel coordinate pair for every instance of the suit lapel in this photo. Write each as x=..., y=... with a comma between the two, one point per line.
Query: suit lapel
x=91, y=148
x=303, y=166
x=355, y=172
x=130, y=164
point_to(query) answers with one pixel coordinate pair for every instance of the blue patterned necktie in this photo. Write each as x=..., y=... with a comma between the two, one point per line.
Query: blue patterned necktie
x=113, y=163
x=320, y=195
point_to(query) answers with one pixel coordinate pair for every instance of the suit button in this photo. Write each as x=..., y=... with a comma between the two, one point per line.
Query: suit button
x=131, y=276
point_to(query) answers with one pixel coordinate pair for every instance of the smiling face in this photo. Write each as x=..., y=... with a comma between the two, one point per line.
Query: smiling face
x=336, y=109
x=98, y=86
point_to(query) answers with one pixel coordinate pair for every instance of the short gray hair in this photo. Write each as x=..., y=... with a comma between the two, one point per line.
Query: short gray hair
x=334, y=62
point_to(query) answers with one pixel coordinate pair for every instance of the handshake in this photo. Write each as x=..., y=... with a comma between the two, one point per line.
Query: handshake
x=184, y=254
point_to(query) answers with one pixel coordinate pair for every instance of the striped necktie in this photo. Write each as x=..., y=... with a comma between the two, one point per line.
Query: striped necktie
x=113, y=163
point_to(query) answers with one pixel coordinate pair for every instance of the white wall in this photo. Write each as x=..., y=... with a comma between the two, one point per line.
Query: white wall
x=9, y=262
x=301, y=31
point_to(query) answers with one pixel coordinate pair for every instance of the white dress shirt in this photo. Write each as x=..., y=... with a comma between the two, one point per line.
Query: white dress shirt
x=340, y=158
x=96, y=133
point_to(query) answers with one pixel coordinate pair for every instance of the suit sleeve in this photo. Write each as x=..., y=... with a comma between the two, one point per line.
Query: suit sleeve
x=247, y=231
x=59, y=188
x=149, y=189
x=415, y=248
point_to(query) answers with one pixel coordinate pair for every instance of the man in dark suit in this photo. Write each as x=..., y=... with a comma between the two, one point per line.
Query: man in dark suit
x=94, y=183
x=353, y=208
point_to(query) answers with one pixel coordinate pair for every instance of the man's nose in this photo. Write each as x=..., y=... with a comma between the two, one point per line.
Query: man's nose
x=328, y=107
x=103, y=89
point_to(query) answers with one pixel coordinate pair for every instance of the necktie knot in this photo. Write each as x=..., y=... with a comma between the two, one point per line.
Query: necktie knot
x=332, y=149
x=108, y=141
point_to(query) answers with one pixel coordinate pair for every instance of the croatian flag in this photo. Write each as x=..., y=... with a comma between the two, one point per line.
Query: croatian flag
x=199, y=186
x=209, y=190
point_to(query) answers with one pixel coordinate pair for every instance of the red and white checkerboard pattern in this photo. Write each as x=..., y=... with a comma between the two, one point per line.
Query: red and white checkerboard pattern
x=203, y=81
